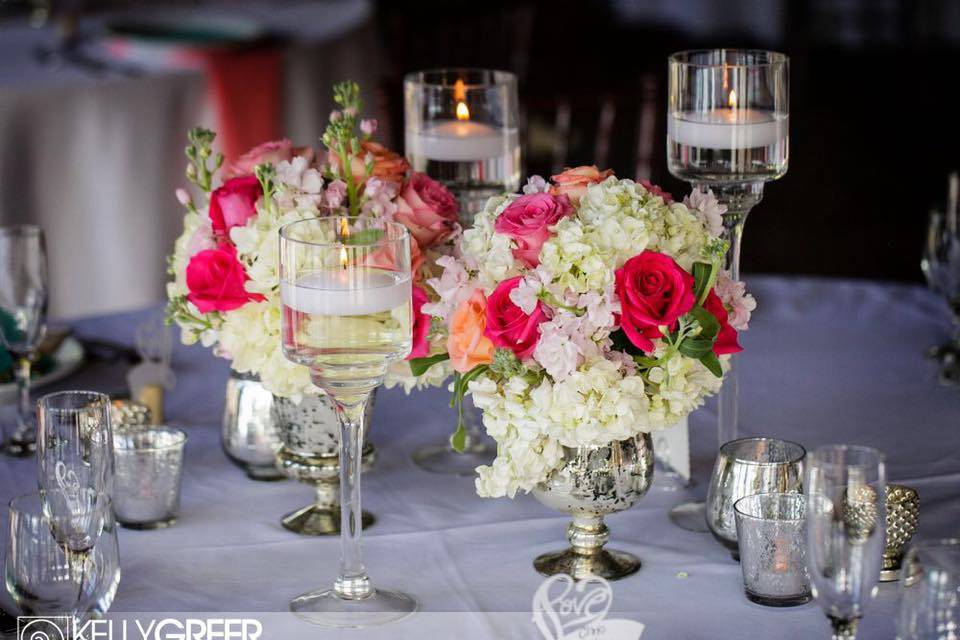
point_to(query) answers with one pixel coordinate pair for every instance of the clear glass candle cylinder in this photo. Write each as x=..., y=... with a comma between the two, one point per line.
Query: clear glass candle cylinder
x=930, y=598
x=149, y=468
x=772, y=542
x=461, y=129
x=728, y=116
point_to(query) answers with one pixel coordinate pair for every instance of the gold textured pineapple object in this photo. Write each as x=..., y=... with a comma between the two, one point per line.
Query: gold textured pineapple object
x=859, y=513
x=903, y=515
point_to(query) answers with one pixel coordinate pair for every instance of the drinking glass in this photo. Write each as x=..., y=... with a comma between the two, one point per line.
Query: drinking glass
x=941, y=268
x=23, y=307
x=772, y=542
x=75, y=442
x=728, y=117
x=745, y=467
x=846, y=528
x=346, y=289
x=149, y=468
x=46, y=577
x=930, y=599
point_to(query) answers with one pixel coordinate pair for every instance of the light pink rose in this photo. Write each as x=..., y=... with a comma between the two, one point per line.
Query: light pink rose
x=271, y=152
x=573, y=183
x=428, y=210
x=528, y=220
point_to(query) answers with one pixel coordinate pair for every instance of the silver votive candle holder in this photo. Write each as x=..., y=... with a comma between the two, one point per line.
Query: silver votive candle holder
x=149, y=468
x=772, y=542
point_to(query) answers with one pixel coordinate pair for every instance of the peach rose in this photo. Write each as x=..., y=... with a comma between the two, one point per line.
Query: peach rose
x=574, y=182
x=428, y=210
x=387, y=165
x=467, y=345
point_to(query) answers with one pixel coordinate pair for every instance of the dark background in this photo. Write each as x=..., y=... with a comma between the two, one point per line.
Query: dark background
x=873, y=86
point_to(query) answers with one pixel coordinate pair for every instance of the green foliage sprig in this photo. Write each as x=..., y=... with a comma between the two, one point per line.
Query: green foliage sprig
x=200, y=154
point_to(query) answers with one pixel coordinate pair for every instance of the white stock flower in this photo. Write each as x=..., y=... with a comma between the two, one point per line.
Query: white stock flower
x=536, y=184
x=452, y=287
x=708, y=209
x=739, y=303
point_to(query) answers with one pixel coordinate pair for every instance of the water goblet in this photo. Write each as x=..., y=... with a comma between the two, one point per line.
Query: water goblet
x=75, y=442
x=346, y=293
x=23, y=320
x=846, y=514
x=930, y=598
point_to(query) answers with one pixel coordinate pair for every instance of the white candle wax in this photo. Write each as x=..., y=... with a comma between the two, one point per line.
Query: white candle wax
x=347, y=292
x=727, y=128
x=459, y=141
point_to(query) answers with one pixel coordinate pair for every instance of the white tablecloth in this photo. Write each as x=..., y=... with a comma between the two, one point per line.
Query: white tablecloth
x=824, y=362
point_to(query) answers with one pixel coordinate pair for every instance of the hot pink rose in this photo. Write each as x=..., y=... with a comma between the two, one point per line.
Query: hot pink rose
x=726, y=341
x=421, y=325
x=216, y=280
x=528, y=220
x=508, y=326
x=654, y=292
x=428, y=210
x=656, y=190
x=573, y=183
x=234, y=203
x=272, y=152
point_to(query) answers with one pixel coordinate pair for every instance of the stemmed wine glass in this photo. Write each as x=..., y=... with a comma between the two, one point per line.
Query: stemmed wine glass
x=846, y=530
x=23, y=307
x=941, y=268
x=728, y=117
x=346, y=287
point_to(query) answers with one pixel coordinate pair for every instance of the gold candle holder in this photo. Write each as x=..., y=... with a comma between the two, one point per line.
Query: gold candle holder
x=903, y=515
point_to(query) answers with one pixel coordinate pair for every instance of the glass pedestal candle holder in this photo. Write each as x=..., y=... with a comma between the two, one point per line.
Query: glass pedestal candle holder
x=461, y=130
x=347, y=314
x=728, y=118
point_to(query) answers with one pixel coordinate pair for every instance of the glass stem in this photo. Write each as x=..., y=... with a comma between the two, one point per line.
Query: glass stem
x=352, y=583
x=24, y=410
x=739, y=199
x=844, y=629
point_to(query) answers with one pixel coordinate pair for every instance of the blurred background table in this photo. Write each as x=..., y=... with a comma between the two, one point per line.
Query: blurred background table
x=825, y=361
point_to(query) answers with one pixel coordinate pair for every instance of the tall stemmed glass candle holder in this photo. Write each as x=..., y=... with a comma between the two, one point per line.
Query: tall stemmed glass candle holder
x=728, y=121
x=345, y=286
x=461, y=130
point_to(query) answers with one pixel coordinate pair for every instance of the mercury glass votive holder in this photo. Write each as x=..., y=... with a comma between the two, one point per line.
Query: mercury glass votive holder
x=149, y=468
x=772, y=542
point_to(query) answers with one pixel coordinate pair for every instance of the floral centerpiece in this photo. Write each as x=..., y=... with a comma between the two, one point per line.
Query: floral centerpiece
x=225, y=287
x=583, y=311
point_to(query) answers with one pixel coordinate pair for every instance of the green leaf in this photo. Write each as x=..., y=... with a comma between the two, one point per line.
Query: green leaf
x=419, y=366
x=459, y=438
x=712, y=362
x=460, y=388
x=696, y=348
x=702, y=275
x=709, y=325
x=366, y=236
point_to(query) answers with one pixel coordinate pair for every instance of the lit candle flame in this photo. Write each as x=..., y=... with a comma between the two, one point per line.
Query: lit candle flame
x=463, y=113
x=732, y=99
x=459, y=91
x=344, y=234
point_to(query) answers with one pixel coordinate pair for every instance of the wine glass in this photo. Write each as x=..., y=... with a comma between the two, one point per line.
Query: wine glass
x=74, y=443
x=346, y=292
x=846, y=530
x=941, y=268
x=23, y=319
x=930, y=598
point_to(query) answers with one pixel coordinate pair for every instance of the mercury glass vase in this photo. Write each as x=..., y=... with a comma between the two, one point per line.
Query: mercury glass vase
x=591, y=483
x=249, y=434
x=310, y=452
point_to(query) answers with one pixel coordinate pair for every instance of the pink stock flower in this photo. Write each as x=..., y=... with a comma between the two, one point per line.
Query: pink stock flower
x=234, y=203
x=735, y=298
x=654, y=292
x=508, y=327
x=215, y=279
x=428, y=210
x=368, y=126
x=528, y=220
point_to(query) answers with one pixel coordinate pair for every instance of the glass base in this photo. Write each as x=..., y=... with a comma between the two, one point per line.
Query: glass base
x=327, y=609
x=314, y=520
x=607, y=563
x=668, y=480
x=443, y=459
x=777, y=601
x=148, y=526
x=690, y=516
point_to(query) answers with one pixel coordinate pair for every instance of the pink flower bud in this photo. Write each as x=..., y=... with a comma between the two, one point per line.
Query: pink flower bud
x=183, y=197
x=335, y=116
x=368, y=126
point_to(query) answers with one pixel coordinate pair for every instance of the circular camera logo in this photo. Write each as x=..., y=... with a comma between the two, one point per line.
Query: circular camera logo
x=43, y=627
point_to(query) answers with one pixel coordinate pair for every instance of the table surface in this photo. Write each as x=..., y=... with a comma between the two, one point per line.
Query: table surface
x=825, y=361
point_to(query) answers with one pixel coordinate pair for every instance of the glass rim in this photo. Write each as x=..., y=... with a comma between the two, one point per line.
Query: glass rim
x=775, y=58
x=390, y=224
x=779, y=494
x=814, y=457
x=502, y=77
x=179, y=442
x=798, y=458
x=22, y=230
x=45, y=399
x=14, y=503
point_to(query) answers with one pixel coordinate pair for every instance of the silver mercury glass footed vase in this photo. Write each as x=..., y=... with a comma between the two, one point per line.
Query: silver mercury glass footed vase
x=591, y=483
x=310, y=452
x=249, y=432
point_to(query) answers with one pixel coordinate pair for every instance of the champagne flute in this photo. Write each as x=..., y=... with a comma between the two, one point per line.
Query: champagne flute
x=846, y=530
x=23, y=307
x=346, y=291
